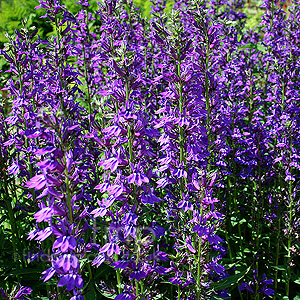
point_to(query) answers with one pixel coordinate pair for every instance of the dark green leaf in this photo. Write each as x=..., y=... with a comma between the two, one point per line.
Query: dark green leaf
x=230, y=281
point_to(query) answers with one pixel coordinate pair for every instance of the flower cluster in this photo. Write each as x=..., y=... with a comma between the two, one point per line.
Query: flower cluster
x=153, y=158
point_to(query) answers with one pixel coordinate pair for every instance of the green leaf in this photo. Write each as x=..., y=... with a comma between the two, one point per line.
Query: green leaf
x=234, y=221
x=215, y=297
x=297, y=297
x=159, y=296
x=297, y=280
x=91, y=295
x=3, y=219
x=230, y=281
x=280, y=268
x=104, y=293
x=25, y=271
x=254, y=46
x=246, y=250
x=108, y=295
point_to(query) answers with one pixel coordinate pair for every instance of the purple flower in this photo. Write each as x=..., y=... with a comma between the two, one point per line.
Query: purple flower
x=201, y=230
x=179, y=173
x=71, y=281
x=37, y=182
x=44, y=234
x=150, y=198
x=246, y=286
x=99, y=260
x=121, y=264
x=67, y=261
x=189, y=245
x=65, y=243
x=23, y=291
x=44, y=214
x=162, y=270
x=111, y=163
x=124, y=296
x=267, y=281
x=267, y=291
x=14, y=169
x=137, y=178
x=189, y=280
x=47, y=274
x=138, y=275
x=157, y=230
x=185, y=205
x=214, y=239
x=110, y=249
x=215, y=266
x=99, y=212
x=2, y=293
x=77, y=297
x=177, y=279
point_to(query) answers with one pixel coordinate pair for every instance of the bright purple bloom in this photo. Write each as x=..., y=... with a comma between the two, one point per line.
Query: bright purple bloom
x=124, y=296
x=99, y=260
x=37, y=182
x=65, y=243
x=71, y=281
x=138, y=275
x=22, y=293
x=110, y=249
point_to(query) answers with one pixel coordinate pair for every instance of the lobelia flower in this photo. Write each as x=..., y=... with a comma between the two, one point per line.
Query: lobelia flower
x=19, y=292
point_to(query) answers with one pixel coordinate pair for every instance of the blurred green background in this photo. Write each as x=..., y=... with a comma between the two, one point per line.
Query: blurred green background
x=13, y=11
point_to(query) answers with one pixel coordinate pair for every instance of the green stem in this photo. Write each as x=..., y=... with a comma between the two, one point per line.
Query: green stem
x=137, y=288
x=235, y=201
x=272, y=15
x=90, y=271
x=69, y=198
x=142, y=289
x=12, y=224
x=277, y=255
x=59, y=295
x=145, y=56
x=118, y=273
x=291, y=206
x=199, y=269
x=57, y=30
x=283, y=98
x=30, y=169
x=67, y=182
